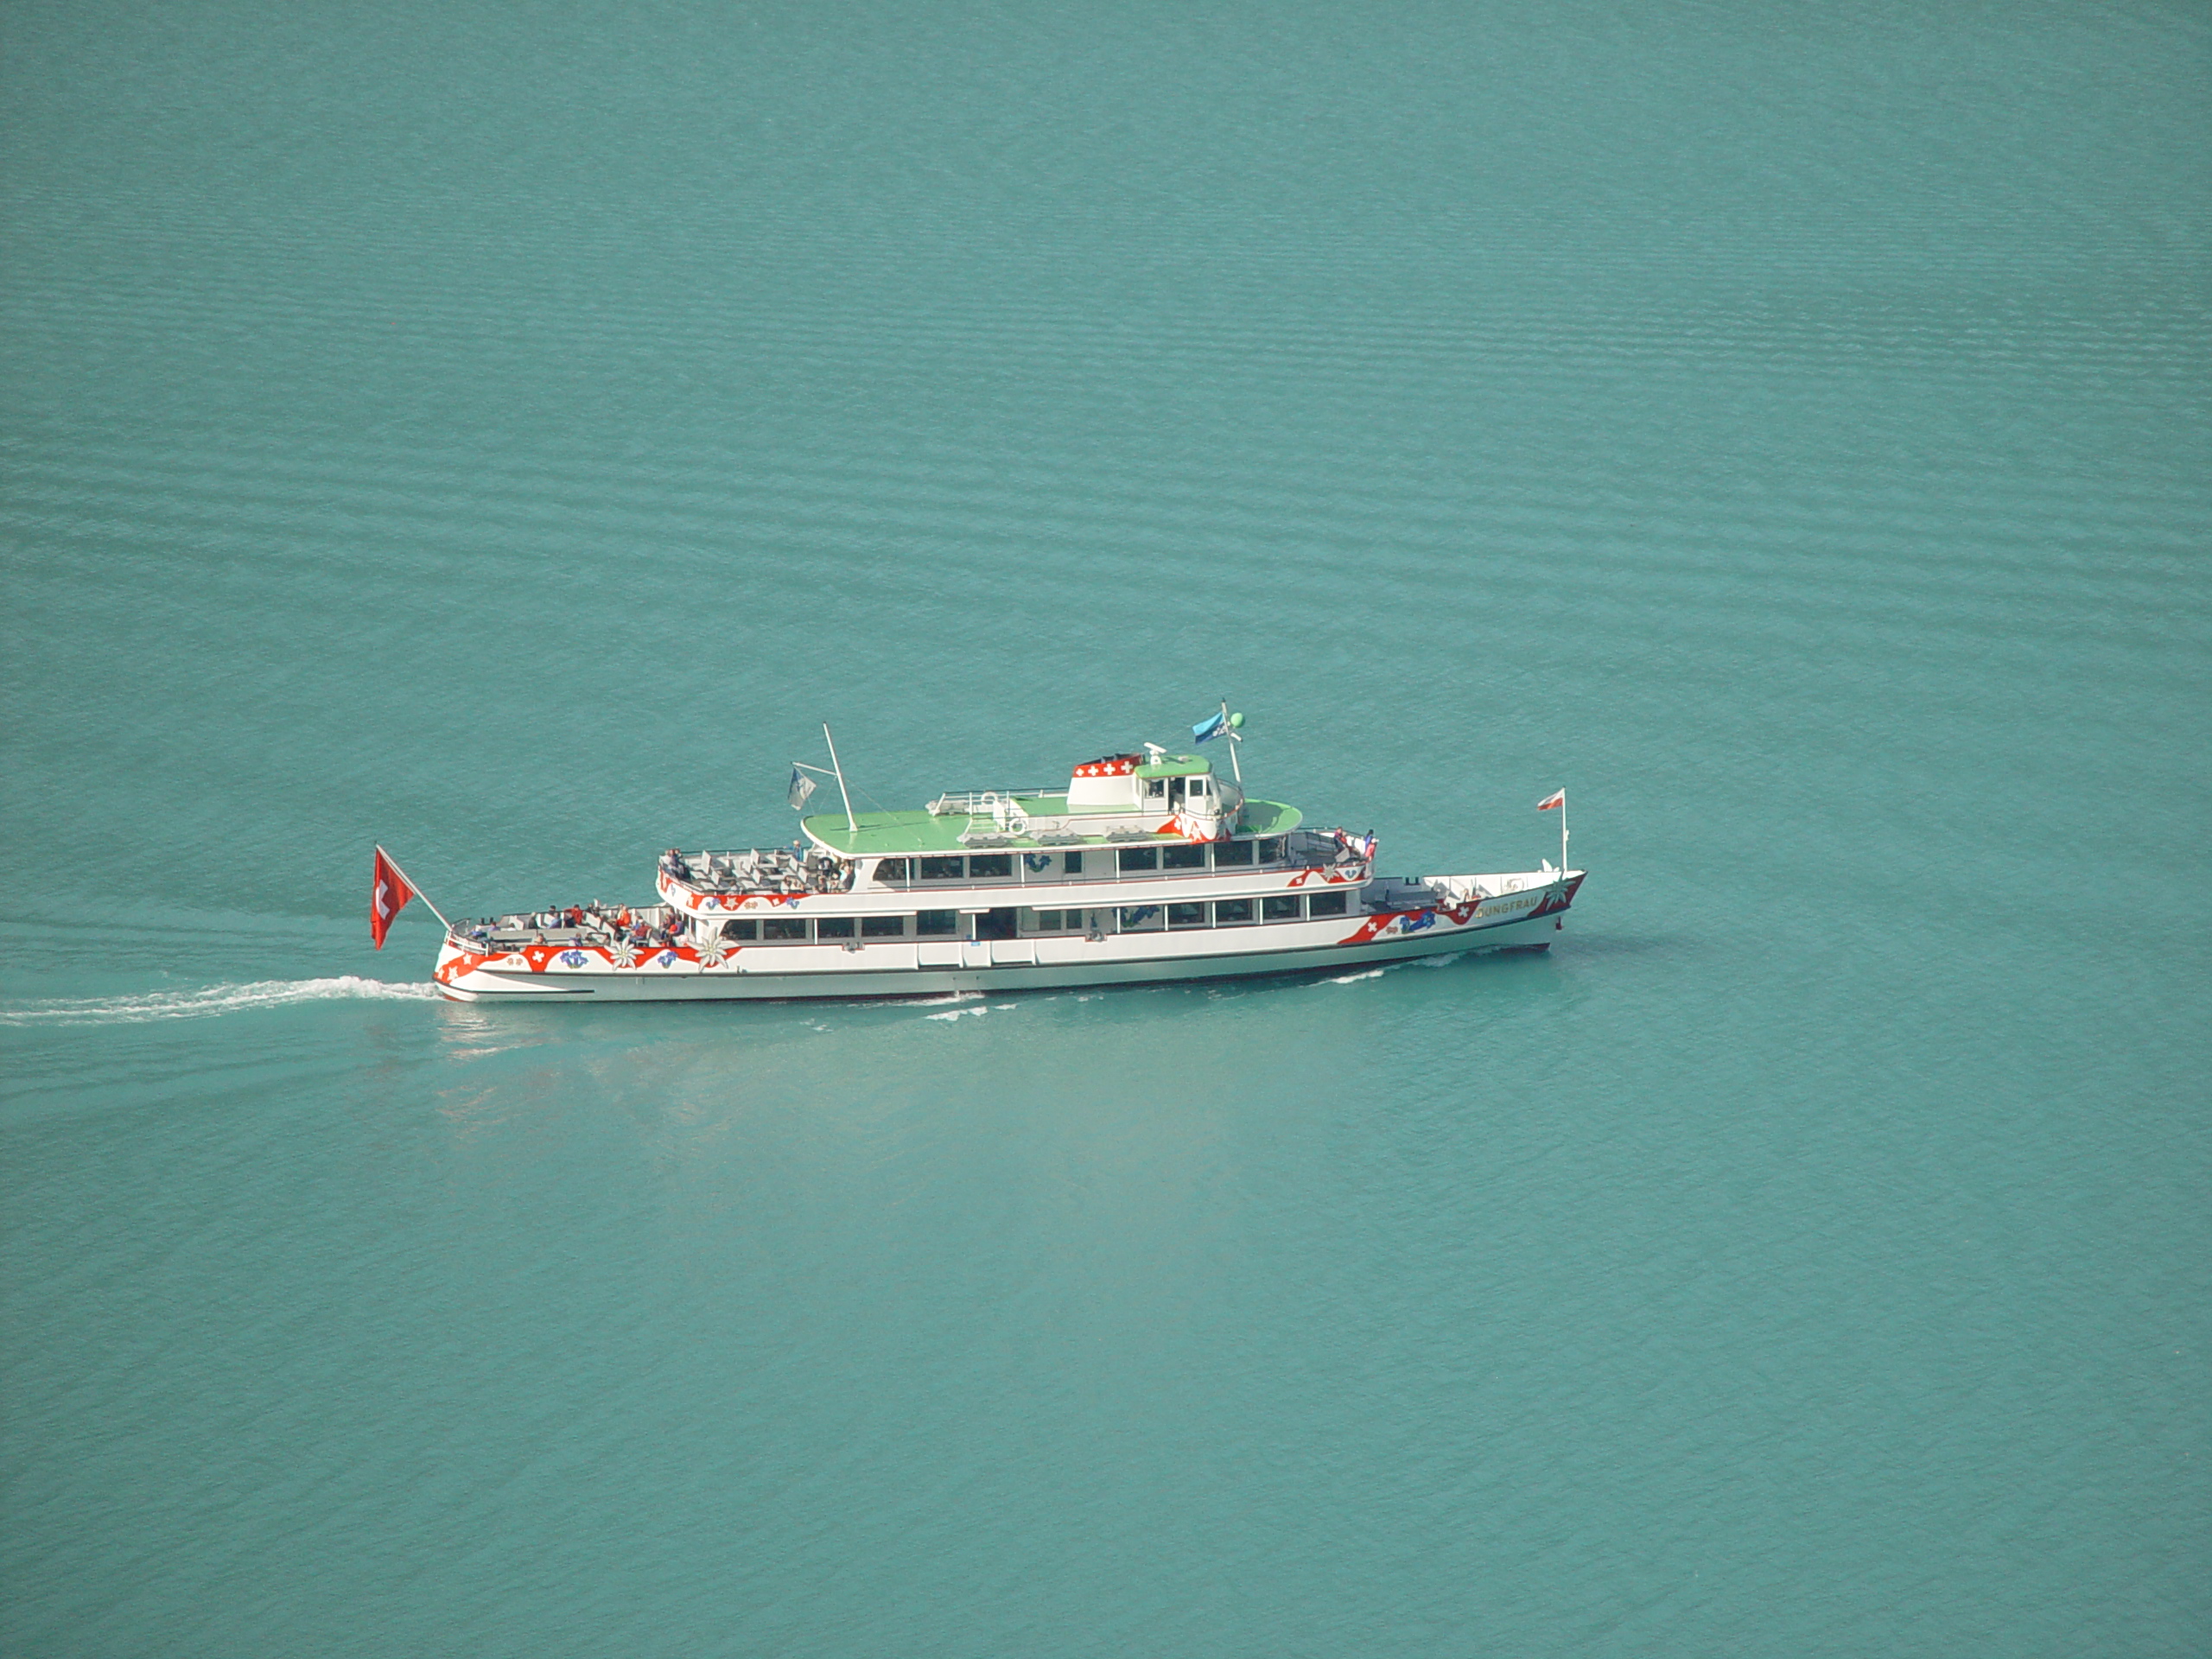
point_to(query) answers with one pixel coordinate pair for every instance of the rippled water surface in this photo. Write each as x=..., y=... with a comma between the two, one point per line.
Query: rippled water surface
x=504, y=432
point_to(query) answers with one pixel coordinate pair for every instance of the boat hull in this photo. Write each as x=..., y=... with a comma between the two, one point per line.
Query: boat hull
x=1530, y=921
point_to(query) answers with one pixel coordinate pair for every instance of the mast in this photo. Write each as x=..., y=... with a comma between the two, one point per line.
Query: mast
x=851, y=823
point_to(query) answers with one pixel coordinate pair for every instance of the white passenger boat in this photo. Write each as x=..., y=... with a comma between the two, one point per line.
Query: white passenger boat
x=1142, y=866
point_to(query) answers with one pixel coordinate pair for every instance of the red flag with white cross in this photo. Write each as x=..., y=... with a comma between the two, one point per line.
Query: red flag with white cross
x=387, y=895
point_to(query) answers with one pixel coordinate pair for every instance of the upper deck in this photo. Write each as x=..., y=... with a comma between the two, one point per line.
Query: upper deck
x=1041, y=821
x=1155, y=796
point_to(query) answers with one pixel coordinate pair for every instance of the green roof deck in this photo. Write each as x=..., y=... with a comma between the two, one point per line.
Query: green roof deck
x=889, y=833
x=1176, y=765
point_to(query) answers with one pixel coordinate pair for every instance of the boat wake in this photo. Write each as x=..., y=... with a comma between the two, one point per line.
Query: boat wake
x=1381, y=968
x=210, y=999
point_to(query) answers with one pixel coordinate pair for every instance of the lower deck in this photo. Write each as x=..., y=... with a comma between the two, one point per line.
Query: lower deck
x=656, y=954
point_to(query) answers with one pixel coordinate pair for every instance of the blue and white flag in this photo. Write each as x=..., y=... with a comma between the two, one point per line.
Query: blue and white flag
x=1212, y=726
x=802, y=786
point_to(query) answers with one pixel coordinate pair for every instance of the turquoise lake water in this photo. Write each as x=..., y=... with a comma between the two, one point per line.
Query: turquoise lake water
x=505, y=432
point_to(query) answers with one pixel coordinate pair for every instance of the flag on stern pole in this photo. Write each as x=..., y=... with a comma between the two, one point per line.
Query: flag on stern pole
x=1551, y=801
x=802, y=786
x=388, y=895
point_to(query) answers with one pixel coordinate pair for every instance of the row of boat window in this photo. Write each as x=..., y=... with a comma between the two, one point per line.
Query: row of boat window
x=984, y=866
x=1126, y=918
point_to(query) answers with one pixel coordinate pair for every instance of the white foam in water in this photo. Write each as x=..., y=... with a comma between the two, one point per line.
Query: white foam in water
x=212, y=999
x=1381, y=968
x=954, y=1013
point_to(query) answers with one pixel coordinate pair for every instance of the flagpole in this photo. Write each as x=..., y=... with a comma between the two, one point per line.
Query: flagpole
x=1235, y=765
x=1562, y=833
x=418, y=892
x=851, y=823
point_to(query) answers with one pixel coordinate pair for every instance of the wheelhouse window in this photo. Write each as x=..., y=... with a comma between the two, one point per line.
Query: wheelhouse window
x=1232, y=913
x=1289, y=908
x=784, y=927
x=943, y=869
x=883, y=927
x=983, y=866
x=1226, y=853
x=1182, y=858
x=1327, y=904
x=834, y=927
x=1138, y=919
x=1187, y=915
x=1140, y=858
x=937, y=921
x=740, y=930
x=891, y=870
x=1155, y=790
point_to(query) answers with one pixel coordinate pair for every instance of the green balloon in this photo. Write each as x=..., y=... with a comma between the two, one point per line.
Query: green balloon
x=1236, y=721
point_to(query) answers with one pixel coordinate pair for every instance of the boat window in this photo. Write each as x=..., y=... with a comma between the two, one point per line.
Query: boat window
x=943, y=869
x=1232, y=852
x=891, y=870
x=1072, y=863
x=740, y=930
x=984, y=865
x=937, y=921
x=784, y=927
x=1288, y=909
x=1059, y=921
x=1187, y=915
x=1182, y=858
x=1232, y=913
x=1137, y=918
x=1140, y=858
x=1155, y=789
x=1326, y=904
x=883, y=927
x=834, y=927
x=1270, y=850
x=1045, y=921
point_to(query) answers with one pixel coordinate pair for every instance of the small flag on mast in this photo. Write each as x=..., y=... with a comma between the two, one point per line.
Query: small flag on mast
x=1551, y=801
x=388, y=895
x=802, y=786
x=1212, y=727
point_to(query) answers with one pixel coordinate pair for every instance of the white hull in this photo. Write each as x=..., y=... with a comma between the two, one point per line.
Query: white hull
x=1529, y=917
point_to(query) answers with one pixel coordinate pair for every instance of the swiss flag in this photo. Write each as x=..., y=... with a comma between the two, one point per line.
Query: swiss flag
x=388, y=895
x=1551, y=801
